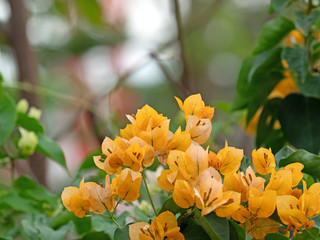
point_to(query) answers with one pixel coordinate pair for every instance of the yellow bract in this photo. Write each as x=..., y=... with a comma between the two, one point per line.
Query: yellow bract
x=263, y=161
x=164, y=226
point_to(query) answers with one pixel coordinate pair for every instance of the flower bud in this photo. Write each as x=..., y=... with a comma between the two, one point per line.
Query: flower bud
x=28, y=141
x=34, y=113
x=22, y=106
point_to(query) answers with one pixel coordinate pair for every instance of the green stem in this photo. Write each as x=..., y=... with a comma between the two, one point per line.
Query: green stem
x=115, y=208
x=149, y=195
x=310, y=7
x=12, y=169
x=112, y=218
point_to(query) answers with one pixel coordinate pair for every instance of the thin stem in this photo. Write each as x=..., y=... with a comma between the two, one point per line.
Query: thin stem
x=112, y=218
x=149, y=195
x=115, y=208
x=310, y=6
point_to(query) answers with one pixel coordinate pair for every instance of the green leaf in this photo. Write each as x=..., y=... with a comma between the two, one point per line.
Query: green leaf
x=217, y=228
x=310, y=161
x=311, y=87
x=195, y=232
x=284, y=152
x=245, y=163
x=88, y=161
x=272, y=33
x=304, y=21
x=91, y=10
x=278, y=236
x=255, y=75
x=28, y=189
x=263, y=91
x=297, y=58
x=1, y=88
x=236, y=231
x=18, y=203
x=140, y=215
x=170, y=205
x=266, y=134
x=299, y=117
x=51, y=149
x=308, y=234
x=8, y=116
x=29, y=123
x=122, y=233
x=242, y=98
x=96, y=236
x=280, y=5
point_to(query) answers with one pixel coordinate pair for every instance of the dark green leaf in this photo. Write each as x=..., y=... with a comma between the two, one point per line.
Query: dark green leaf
x=96, y=236
x=263, y=91
x=280, y=5
x=217, y=228
x=267, y=120
x=122, y=233
x=29, y=123
x=299, y=117
x=51, y=149
x=283, y=153
x=304, y=21
x=308, y=234
x=255, y=75
x=242, y=98
x=310, y=161
x=8, y=116
x=297, y=58
x=311, y=87
x=272, y=33
x=195, y=232
x=273, y=236
x=236, y=231
x=170, y=205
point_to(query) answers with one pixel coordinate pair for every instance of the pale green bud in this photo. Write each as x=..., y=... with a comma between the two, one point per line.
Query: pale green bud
x=34, y=113
x=22, y=106
x=27, y=142
x=145, y=207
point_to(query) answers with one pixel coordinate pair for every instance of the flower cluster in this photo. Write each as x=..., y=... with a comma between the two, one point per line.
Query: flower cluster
x=196, y=177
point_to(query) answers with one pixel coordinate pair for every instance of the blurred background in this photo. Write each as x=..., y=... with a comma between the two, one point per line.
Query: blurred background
x=87, y=63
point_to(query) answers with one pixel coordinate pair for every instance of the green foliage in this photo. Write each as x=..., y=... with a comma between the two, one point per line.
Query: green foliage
x=8, y=116
x=170, y=205
x=272, y=33
x=195, y=232
x=298, y=54
x=51, y=149
x=278, y=236
x=300, y=121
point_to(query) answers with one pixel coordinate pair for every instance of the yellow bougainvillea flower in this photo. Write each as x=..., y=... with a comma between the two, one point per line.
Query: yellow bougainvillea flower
x=101, y=198
x=231, y=206
x=262, y=204
x=251, y=180
x=148, y=125
x=259, y=228
x=134, y=156
x=90, y=197
x=194, y=106
x=263, y=161
x=241, y=215
x=315, y=190
x=180, y=164
x=208, y=191
x=281, y=181
x=73, y=200
x=199, y=158
x=164, y=226
x=183, y=194
x=163, y=180
x=233, y=182
x=297, y=175
x=227, y=160
x=126, y=185
x=199, y=129
x=291, y=214
x=149, y=151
